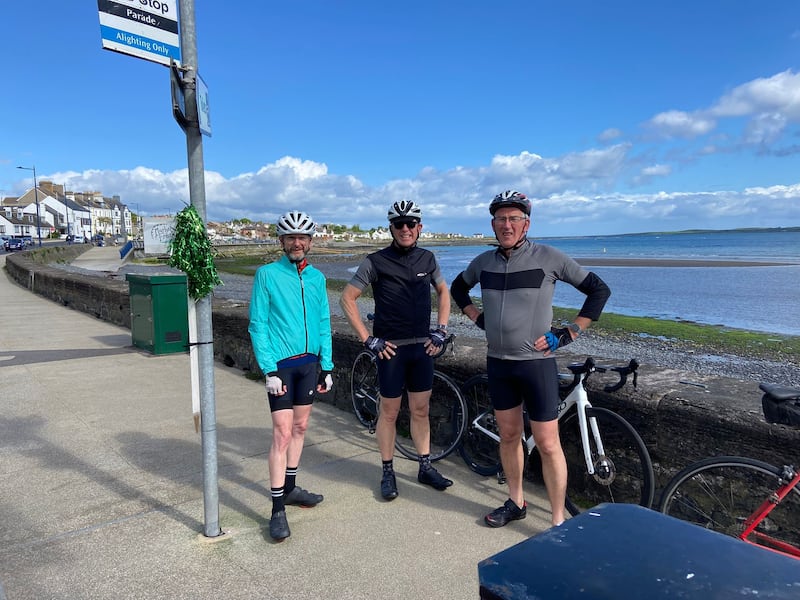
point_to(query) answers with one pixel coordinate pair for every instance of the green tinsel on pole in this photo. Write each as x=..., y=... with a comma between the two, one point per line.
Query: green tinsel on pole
x=191, y=253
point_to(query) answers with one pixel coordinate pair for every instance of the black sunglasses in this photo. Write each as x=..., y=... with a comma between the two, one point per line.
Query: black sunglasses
x=400, y=223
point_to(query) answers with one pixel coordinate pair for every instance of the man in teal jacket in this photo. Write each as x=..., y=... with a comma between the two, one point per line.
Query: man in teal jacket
x=290, y=328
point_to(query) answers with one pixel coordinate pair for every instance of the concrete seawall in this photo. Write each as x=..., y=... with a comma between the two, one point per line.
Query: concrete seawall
x=681, y=416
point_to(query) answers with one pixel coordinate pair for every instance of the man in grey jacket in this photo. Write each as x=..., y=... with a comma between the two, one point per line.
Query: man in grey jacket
x=517, y=284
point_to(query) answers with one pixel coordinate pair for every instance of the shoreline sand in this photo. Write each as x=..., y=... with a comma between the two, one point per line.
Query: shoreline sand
x=342, y=266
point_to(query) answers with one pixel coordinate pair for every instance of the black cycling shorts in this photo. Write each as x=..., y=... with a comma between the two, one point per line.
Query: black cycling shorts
x=300, y=382
x=533, y=381
x=410, y=368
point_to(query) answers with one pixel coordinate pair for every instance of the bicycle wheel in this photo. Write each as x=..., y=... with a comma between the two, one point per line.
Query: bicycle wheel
x=447, y=420
x=479, y=451
x=624, y=474
x=722, y=493
x=364, y=388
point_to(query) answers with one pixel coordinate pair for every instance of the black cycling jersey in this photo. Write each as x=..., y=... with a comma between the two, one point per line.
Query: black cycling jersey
x=401, y=284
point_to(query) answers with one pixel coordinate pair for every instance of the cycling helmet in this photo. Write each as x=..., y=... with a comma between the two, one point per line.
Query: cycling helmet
x=295, y=222
x=511, y=198
x=405, y=208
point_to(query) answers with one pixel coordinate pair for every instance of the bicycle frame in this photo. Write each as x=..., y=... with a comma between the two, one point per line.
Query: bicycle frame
x=791, y=478
x=576, y=396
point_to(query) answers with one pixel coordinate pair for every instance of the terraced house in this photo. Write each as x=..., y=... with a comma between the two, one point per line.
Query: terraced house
x=59, y=212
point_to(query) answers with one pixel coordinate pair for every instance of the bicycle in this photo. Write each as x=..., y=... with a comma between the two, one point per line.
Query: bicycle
x=607, y=461
x=447, y=407
x=741, y=497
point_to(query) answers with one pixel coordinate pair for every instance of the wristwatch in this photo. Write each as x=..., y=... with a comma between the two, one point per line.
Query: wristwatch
x=574, y=327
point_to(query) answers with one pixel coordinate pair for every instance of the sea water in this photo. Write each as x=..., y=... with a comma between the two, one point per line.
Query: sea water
x=756, y=298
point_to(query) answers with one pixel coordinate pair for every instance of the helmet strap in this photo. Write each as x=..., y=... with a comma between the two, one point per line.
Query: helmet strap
x=520, y=241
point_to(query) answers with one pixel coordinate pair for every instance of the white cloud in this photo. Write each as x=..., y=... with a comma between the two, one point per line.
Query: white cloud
x=766, y=106
x=657, y=171
x=572, y=195
x=764, y=129
x=609, y=135
x=677, y=123
x=647, y=174
x=779, y=93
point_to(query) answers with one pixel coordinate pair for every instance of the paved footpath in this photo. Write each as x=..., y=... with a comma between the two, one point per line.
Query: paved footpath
x=101, y=492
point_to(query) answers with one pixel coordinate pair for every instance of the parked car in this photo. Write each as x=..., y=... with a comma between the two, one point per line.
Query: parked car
x=15, y=245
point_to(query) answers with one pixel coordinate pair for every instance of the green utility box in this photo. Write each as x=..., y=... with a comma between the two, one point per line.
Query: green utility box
x=159, y=312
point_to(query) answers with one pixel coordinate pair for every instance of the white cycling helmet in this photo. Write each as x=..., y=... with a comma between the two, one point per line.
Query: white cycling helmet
x=405, y=208
x=295, y=222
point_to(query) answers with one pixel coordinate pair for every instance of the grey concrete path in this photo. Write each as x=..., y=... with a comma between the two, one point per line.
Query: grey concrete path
x=101, y=491
x=100, y=258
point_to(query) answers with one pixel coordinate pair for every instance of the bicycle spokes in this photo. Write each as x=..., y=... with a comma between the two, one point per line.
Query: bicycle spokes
x=739, y=497
x=619, y=461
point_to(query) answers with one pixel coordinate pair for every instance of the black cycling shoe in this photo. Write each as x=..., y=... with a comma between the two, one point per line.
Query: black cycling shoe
x=300, y=497
x=508, y=512
x=388, y=486
x=279, y=526
x=433, y=478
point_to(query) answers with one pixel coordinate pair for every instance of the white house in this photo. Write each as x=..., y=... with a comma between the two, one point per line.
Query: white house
x=15, y=222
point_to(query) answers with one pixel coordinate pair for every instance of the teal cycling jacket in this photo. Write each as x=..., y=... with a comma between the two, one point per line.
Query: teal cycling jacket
x=289, y=315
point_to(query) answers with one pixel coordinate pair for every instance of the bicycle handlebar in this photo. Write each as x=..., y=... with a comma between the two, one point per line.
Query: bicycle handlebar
x=623, y=372
x=584, y=369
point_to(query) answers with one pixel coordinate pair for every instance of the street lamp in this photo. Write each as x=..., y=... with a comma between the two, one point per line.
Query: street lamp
x=36, y=194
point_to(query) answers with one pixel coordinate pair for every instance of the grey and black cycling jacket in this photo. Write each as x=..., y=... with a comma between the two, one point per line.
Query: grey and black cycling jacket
x=517, y=294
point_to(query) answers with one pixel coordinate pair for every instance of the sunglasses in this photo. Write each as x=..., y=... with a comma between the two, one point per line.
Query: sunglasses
x=409, y=223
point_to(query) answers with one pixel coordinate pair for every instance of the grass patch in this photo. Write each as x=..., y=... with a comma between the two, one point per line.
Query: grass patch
x=721, y=339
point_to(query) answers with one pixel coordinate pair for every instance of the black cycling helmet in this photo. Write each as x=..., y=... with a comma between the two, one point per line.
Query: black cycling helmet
x=405, y=208
x=511, y=198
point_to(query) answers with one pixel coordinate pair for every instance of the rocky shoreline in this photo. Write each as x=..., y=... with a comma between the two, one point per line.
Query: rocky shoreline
x=666, y=353
x=673, y=354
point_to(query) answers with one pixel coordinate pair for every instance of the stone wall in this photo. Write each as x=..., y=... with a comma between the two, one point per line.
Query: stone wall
x=106, y=299
x=681, y=416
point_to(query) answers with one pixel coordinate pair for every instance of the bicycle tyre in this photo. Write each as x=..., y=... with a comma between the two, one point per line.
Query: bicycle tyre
x=479, y=451
x=721, y=493
x=364, y=388
x=623, y=475
x=447, y=417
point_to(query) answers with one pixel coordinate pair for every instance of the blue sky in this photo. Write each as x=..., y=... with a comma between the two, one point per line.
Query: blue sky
x=615, y=117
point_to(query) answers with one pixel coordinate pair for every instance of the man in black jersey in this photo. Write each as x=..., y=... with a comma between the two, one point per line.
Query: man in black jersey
x=401, y=276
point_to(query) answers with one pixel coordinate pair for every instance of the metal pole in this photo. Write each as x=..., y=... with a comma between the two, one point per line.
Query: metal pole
x=66, y=212
x=38, y=217
x=36, y=195
x=205, y=334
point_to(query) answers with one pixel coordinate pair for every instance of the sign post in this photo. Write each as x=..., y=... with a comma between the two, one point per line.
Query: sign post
x=146, y=29
x=149, y=29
